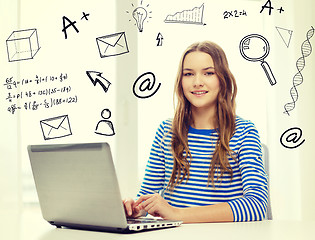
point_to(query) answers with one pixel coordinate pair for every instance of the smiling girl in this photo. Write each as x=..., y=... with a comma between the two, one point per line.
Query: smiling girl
x=206, y=163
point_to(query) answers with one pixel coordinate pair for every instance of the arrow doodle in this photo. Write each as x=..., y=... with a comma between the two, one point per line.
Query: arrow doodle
x=306, y=50
x=96, y=77
x=159, y=38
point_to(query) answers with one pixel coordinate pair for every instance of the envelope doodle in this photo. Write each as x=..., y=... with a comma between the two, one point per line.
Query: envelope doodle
x=112, y=45
x=56, y=127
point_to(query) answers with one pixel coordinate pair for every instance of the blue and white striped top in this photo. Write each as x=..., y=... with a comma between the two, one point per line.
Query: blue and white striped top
x=246, y=192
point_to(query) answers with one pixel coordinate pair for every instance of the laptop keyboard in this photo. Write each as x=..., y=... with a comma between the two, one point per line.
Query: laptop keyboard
x=141, y=220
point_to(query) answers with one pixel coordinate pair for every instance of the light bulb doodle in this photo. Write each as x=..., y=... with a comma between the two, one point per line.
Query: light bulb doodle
x=140, y=15
x=255, y=47
x=306, y=50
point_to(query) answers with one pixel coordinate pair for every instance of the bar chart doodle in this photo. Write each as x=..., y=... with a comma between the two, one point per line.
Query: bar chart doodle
x=306, y=50
x=192, y=16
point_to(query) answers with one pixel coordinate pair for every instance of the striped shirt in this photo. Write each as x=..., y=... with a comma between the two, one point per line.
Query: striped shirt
x=246, y=192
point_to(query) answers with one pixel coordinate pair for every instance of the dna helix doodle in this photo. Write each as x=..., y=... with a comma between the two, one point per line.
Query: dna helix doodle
x=306, y=49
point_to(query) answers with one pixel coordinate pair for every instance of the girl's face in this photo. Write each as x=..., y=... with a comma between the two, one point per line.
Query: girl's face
x=199, y=81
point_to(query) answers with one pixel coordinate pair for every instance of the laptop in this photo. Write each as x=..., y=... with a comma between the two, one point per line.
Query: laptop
x=77, y=187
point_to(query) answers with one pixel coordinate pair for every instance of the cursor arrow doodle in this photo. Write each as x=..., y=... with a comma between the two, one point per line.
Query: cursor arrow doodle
x=96, y=77
x=159, y=38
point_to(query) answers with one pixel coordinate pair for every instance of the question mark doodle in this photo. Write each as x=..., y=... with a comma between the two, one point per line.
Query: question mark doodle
x=306, y=50
x=291, y=138
x=147, y=82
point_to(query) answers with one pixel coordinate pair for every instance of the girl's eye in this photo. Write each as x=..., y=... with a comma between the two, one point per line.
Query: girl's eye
x=188, y=74
x=209, y=73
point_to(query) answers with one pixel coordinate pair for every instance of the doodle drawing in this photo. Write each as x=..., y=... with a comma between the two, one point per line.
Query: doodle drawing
x=291, y=138
x=285, y=34
x=268, y=5
x=159, y=39
x=105, y=127
x=56, y=127
x=143, y=87
x=112, y=45
x=306, y=50
x=255, y=47
x=193, y=16
x=140, y=15
x=72, y=23
x=96, y=77
x=22, y=45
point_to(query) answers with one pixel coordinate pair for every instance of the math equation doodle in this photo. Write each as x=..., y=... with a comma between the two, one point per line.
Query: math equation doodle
x=191, y=16
x=39, y=92
x=306, y=50
x=234, y=14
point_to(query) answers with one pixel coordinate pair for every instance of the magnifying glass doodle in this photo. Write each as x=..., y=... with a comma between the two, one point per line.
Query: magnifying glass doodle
x=254, y=48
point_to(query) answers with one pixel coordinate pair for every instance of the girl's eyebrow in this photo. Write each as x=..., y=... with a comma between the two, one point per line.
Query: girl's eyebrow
x=188, y=69
x=208, y=68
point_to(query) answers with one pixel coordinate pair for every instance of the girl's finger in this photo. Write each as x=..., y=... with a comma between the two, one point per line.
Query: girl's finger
x=128, y=207
x=142, y=198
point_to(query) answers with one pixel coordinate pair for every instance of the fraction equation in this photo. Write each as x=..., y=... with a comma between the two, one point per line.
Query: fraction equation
x=39, y=92
x=46, y=103
x=10, y=83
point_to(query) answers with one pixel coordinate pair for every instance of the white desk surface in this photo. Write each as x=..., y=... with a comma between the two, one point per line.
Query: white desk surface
x=29, y=225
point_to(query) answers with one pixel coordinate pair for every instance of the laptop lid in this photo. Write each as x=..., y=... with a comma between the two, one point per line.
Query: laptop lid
x=77, y=185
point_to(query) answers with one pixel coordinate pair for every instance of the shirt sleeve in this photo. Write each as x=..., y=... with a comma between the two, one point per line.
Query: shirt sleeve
x=154, y=177
x=253, y=205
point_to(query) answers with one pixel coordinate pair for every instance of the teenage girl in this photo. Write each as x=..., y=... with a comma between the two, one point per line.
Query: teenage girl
x=206, y=163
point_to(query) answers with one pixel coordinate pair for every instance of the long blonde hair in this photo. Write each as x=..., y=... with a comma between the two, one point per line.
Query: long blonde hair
x=225, y=117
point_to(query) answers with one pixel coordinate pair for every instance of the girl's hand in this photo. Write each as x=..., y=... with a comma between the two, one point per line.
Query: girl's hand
x=131, y=209
x=157, y=206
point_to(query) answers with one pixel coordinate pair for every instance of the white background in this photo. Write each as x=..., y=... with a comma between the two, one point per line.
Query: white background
x=136, y=120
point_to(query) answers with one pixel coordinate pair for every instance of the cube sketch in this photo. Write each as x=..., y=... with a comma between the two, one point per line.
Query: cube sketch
x=22, y=45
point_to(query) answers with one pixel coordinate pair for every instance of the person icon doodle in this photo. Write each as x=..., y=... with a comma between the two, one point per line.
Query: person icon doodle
x=105, y=127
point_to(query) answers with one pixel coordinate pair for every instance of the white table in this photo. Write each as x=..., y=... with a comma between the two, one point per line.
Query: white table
x=29, y=225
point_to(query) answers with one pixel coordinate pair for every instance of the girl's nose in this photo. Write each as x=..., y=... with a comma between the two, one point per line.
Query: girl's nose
x=198, y=82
